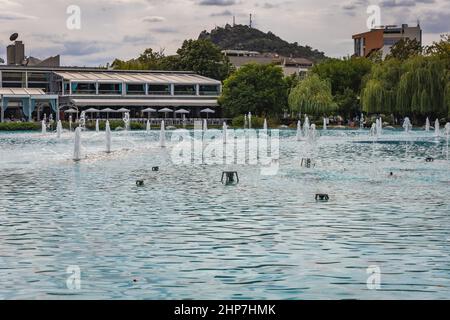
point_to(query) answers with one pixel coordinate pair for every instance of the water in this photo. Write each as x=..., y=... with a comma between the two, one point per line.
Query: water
x=108, y=137
x=162, y=136
x=185, y=235
x=77, y=145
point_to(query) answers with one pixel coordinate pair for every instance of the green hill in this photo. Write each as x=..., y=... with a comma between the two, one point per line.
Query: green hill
x=241, y=37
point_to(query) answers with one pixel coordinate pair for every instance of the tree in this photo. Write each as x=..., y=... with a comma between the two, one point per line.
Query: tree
x=260, y=89
x=312, y=96
x=148, y=60
x=345, y=77
x=405, y=49
x=204, y=58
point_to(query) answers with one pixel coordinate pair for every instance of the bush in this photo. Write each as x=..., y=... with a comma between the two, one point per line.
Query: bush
x=20, y=126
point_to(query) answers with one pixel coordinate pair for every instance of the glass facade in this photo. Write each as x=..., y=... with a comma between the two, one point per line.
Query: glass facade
x=136, y=89
x=209, y=90
x=110, y=88
x=83, y=88
x=185, y=90
x=159, y=89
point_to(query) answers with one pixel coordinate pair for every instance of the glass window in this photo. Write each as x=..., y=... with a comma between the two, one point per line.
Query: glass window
x=83, y=88
x=159, y=89
x=110, y=88
x=209, y=90
x=136, y=89
x=13, y=79
x=185, y=90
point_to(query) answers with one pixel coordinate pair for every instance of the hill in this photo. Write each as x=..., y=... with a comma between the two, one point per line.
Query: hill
x=241, y=37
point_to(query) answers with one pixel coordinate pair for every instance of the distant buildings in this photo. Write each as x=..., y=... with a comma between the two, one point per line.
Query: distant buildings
x=290, y=66
x=30, y=87
x=383, y=38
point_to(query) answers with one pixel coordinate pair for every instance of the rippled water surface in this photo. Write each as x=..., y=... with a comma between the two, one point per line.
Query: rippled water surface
x=185, y=235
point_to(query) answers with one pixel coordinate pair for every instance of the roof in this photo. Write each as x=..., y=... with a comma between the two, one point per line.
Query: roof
x=137, y=77
x=144, y=102
x=20, y=91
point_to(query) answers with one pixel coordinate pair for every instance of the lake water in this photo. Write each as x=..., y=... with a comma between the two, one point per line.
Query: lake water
x=185, y=235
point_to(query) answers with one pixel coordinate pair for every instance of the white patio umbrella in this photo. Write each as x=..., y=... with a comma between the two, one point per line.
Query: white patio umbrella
x=149, y=111
x=123, y=110
x=108, y=111
x=71, y=111
x=92, y=111
x=184, y=112
x=165, y=111
x=207, y=111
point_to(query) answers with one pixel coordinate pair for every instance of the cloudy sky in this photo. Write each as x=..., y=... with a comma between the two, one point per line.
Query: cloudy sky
x=123, y=28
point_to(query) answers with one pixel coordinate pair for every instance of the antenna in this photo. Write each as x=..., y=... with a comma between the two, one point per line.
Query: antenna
x=251, y=20
x=234, y=21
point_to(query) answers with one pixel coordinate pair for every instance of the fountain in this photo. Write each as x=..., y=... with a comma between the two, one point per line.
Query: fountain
x=225, y=132
x=59, y=129
x=149, y=127
x=427, y=125
x=162, y=138
x=83, y=120
x=373, y=130
x=299, y=130
x=312, y=134
x=97, y=126
x=108, y=137
x=437, y=131
x=447, y=133
x=205, y=125
x=361, y=122
x=245, y=122
x=379, y=127
x=126, y=121
x=306, y=127
x=70, y=123
x=265, y=127
x=44, y=127
x=249, y=120
x=325, y=122
x=407, y=125
x=77, y=146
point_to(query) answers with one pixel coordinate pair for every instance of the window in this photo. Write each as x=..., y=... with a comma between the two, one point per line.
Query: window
x=109, y=88
x=185, y=90
x=390, y=41
x=13, y=79
x=136, y=89
x=159, y=89
x=83, y=88
x=209, y=90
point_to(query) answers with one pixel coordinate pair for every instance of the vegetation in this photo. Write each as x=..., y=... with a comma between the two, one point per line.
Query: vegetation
x=405, y=49
x=257, y=122
x=200, y=56
x=312, y=96
x=20, y=126
x=241, y=37
x=260, y=89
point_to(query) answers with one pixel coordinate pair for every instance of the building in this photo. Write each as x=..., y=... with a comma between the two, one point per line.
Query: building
x=383, y=38
x=290, y=66
x=26, y=92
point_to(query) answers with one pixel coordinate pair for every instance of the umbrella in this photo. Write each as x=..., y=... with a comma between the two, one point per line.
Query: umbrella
x=207, y=111
x=123, y=110
x=182, y=111
x=107, y=110
x=71, y=111
x=148, y=110
x=92, y=110
x=165, y=110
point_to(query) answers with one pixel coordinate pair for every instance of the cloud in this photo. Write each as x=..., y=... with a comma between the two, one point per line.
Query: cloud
x=8, y=15
x=225, y=13
x=153, y=19
x=217, y=2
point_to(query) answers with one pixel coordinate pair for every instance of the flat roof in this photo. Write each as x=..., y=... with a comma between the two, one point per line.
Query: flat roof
x=144, y=102
x=5, y=67
x=138, y=77
x=21, y=91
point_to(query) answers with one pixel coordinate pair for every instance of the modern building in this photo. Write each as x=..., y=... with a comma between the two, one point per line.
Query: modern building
x=383, y=38
x=290, y=66
x=26, y=92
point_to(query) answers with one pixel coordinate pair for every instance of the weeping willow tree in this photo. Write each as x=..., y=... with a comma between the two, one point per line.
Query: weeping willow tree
x=312, y=96
x=415, y=87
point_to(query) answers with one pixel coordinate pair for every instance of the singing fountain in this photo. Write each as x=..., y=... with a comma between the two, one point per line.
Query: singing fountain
x=77, y=145
x=126, y=121
x=437, y=129
x=59, y=129
x=162, y=137
x=299, y=130
x=149, y=127
x=361, y=122
x=108, y=137
x=97, y=126
x=43, y=127
x=225, y=132
x=249, y=120
x=407, y=125
x=83, y=120
x=325, y=122
x=306, y=127
x=427, y=125
x=265, y=127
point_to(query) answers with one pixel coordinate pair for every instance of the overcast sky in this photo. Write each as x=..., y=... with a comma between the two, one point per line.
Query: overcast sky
x=124, y=28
